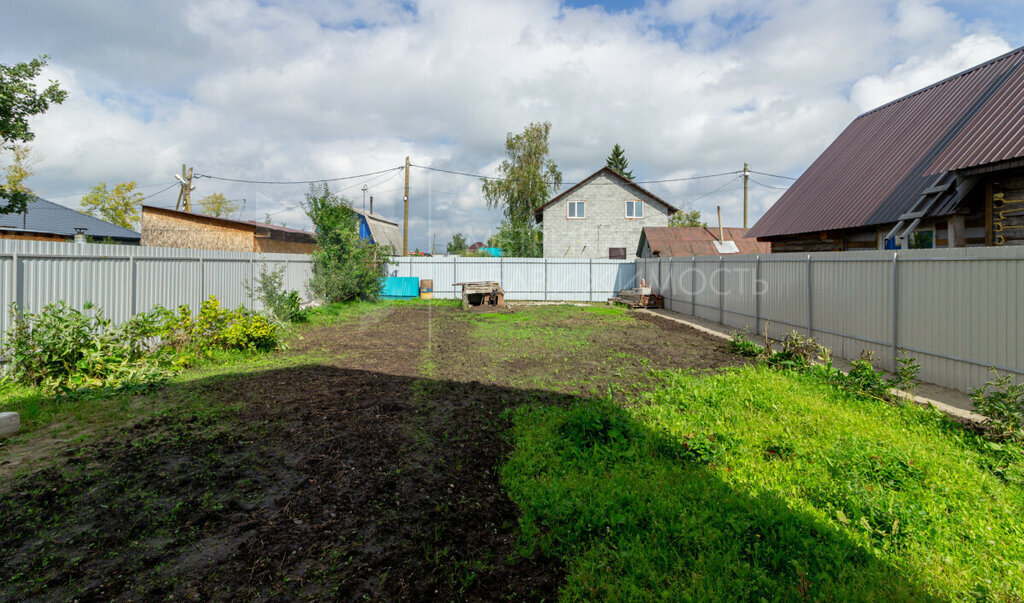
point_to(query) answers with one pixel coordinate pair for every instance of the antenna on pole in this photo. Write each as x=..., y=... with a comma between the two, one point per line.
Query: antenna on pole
x=364, y=189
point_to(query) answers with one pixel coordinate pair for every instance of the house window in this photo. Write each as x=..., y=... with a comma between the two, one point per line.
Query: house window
x=616, y=253
x=634, y=209
x=921, y=239
x=577, y=209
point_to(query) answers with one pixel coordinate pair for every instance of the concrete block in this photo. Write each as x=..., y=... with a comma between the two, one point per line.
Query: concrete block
x=10, y=423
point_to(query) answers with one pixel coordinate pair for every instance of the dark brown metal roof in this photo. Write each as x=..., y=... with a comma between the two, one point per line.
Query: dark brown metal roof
x=626, y=182
x=878, y=168
x=669, y=241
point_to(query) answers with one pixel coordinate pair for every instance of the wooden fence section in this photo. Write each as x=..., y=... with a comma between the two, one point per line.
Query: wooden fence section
x=960, y=312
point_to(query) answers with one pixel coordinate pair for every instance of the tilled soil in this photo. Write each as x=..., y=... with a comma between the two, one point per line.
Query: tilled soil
x=348, y=479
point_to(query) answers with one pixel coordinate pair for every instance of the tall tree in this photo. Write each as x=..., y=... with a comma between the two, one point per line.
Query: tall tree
x=19, y=170
x=19, y=100
x=118, y=206
x=457, y=246
x=527, y=179
x=618, y=162
x=217, y=206
x=684, y=219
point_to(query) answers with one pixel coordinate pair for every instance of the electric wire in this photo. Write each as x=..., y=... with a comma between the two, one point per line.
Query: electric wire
x=173, y=184
x=494, y=178
x=778, y=188
x=297, y=181
x=772, y=175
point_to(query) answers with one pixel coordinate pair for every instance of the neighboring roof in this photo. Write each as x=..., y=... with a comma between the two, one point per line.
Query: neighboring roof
x=884, y=162
x=47, y=217
x=669, y=241
x=383, y=231
x=282, y=232
x=539, y=212
x=477, y=245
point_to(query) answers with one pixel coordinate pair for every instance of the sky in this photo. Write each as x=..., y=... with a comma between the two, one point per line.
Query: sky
x=300, y=90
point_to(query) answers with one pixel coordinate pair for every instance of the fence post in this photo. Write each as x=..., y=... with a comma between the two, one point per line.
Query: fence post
x=810, y=295
x=757, y=295
x=501, y=272
x=455, y=271
x=16, y=285
x=721, y=290
x=895, y=308
x=202, y=280
x=590, y=279
x=693, y=286
x=545, y=265
x=252, y=279
x=133, y=288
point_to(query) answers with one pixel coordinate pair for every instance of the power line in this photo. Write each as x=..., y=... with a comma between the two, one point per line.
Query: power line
x=394, y=172
x=716, y=190
x=773, y=175
x=297, y=181
x=172, y=185
x=778, y=188
x=458, y=173
x=84, y=194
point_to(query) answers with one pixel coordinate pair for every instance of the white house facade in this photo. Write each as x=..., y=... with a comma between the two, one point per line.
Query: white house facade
x=601, y=217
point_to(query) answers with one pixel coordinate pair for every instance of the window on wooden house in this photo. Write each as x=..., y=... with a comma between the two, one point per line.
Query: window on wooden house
x=577, y=209
x=634, y=209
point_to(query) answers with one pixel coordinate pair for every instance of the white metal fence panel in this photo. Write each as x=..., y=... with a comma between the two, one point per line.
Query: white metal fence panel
x=124, y=280
x=955, y=310
x=526, y=279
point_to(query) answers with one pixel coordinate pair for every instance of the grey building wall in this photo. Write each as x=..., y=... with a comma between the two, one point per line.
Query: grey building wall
x=605, y=224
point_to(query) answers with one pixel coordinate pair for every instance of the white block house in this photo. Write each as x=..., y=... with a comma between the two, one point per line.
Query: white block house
x=600, y=217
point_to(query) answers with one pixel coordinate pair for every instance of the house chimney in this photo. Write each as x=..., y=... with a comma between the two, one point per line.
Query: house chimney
x=721, y=233
x=371, y=204
x=80, y=235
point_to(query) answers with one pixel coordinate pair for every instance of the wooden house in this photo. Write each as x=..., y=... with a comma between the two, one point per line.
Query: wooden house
x=943, y=166
x=163, y=227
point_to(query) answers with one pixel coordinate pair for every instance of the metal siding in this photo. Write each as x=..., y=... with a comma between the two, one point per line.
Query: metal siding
x=102, y=274
x=957, y=309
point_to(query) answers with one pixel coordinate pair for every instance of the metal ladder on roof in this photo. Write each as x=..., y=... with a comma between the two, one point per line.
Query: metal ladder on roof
x=929, y=196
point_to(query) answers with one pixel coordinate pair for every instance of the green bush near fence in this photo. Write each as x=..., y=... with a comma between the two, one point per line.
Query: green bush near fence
x=63, y=349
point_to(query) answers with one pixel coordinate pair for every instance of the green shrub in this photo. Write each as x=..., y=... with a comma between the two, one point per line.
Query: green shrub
x=344, y=266
x=741, y=345
x=62, y=348
x=269, y=290
x=1002, y=401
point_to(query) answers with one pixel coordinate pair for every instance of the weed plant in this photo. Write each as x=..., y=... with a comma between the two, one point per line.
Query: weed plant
x=1002, y=401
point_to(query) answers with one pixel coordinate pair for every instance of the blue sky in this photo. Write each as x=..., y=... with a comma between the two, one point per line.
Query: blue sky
x=310, y=89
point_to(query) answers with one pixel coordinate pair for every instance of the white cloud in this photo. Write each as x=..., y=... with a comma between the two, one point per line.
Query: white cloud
x=920, y=71
x=317, y=89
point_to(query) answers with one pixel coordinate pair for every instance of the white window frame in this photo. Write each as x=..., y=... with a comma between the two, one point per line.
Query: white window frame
x=636, y=203
x=581, y=205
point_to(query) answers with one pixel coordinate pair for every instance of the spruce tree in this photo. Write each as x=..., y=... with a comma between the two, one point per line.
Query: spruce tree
x=618, y=162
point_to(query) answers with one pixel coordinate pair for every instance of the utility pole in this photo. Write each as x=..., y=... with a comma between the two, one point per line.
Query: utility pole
x=405, y=225
x=746, y=177
x=364, y=189
x=185, y=195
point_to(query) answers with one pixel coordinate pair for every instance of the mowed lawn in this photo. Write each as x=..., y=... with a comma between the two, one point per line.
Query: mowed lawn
x=638, y=460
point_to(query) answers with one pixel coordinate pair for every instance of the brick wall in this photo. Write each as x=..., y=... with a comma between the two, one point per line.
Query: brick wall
x=605, y=225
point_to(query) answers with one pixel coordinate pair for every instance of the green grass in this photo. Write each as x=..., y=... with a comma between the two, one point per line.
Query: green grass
x=755, y=483
x=82, y=415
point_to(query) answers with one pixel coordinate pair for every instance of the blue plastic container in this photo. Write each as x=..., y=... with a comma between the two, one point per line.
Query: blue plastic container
x=401, y=287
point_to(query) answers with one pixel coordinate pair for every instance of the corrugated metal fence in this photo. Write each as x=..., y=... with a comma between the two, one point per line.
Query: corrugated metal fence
x=958, y=311
x=124, y=279
x=536, y=279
